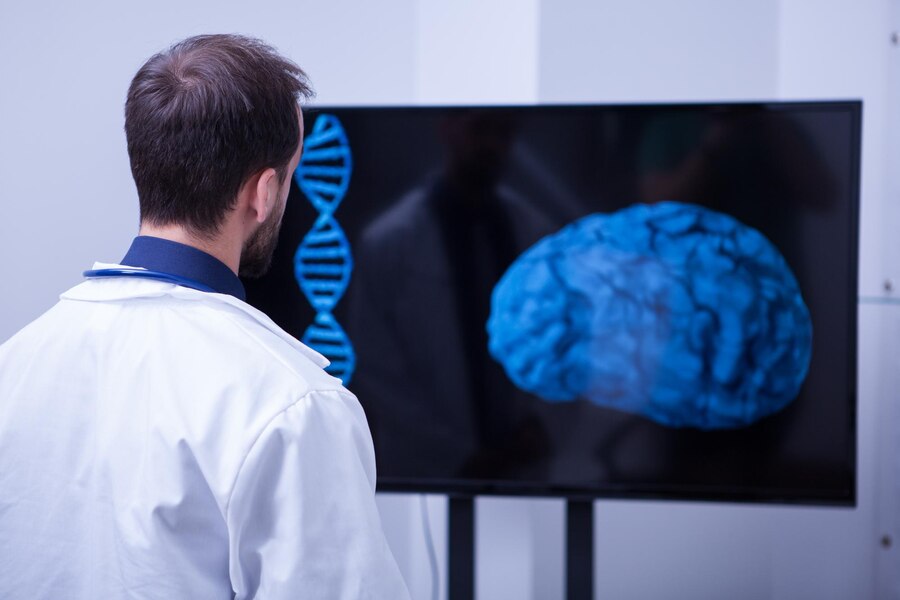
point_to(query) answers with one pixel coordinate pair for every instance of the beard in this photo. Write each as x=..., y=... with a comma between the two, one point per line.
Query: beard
x=256, y=256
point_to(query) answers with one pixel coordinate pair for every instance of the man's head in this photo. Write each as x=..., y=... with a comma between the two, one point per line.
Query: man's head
x=204, y=120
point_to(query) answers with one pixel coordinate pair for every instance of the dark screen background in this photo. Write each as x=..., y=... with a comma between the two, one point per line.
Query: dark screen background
x=442, y=200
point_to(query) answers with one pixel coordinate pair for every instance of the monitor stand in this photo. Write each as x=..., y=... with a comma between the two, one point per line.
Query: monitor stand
x=461, y=548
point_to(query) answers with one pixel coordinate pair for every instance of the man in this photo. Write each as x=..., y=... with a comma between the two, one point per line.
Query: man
x=160, y=438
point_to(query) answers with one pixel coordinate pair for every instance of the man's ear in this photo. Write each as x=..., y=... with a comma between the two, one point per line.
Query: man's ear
x=266, y=194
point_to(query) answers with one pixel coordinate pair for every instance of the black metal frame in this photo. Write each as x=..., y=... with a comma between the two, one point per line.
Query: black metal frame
x=461, y=548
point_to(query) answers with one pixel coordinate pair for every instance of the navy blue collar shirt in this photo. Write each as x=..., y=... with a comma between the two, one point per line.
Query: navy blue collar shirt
x=165, y=256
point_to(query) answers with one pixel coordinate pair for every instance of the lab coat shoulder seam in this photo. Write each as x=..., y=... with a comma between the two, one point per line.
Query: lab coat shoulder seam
x=304, y=397
x=236, y=321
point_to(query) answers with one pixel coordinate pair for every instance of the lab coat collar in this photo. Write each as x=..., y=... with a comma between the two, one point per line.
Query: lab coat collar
x=121, y=288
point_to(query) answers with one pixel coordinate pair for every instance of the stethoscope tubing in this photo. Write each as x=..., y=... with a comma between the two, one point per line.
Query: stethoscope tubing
x=147, y=274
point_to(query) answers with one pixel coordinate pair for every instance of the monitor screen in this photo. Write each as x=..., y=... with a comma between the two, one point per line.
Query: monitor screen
x=654, y=301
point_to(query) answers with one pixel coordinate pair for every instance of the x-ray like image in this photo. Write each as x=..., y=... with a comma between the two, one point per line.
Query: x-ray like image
x=670, y=310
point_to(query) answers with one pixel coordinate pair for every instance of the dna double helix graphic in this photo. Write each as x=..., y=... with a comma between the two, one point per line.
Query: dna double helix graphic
x=323, y=263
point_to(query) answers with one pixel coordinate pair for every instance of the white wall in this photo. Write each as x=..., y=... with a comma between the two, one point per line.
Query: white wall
x=68, y=200
x=657, y=51
x=472, y=51
x=885, y=340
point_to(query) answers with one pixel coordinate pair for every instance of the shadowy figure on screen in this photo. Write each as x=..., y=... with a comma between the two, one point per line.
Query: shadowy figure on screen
x=436, y=401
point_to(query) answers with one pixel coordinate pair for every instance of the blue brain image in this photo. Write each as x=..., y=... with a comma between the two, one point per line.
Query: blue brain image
x=670, y=310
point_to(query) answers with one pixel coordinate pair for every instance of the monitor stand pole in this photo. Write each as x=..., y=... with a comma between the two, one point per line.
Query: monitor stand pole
x=579, y=549
x=461, y=548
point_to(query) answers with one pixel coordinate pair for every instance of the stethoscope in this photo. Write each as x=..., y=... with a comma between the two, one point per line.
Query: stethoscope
x=145, y=274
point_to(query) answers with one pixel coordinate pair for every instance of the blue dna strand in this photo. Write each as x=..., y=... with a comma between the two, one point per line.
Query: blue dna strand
x=323, y=262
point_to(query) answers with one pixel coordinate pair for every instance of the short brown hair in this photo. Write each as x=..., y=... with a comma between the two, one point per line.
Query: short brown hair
x=202, y=117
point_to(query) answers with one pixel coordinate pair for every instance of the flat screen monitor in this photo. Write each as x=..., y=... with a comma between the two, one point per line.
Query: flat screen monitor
x=630, y=301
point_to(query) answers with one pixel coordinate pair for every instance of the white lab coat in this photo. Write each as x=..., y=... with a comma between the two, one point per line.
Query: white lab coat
x=160, y=442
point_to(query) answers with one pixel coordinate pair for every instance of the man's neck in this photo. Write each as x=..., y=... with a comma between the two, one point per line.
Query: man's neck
x=219, y=247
